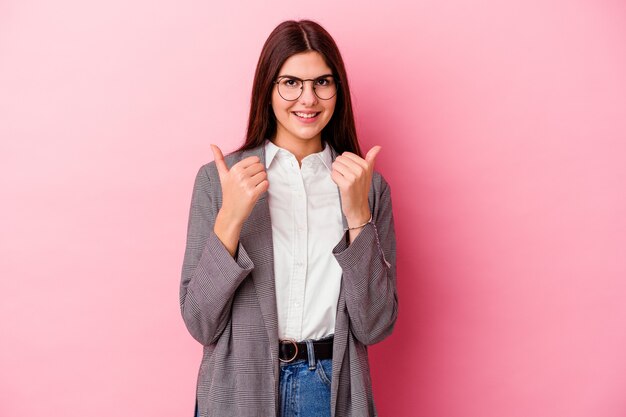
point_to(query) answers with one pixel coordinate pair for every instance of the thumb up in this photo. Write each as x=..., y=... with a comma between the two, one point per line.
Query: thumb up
x=242, y=185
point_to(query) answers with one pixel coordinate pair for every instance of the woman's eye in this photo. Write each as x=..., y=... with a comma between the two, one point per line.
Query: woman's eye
x=323, y=82
x=291, y=83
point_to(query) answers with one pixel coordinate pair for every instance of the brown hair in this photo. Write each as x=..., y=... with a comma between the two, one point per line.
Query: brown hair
x=287, y=39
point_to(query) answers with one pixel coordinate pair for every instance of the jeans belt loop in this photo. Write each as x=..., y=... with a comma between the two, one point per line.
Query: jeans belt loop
x=311, y=353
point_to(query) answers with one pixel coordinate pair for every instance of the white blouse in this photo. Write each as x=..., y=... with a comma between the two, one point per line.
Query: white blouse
x=306, y=225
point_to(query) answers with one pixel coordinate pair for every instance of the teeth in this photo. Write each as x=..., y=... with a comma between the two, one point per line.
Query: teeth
x=306, y=115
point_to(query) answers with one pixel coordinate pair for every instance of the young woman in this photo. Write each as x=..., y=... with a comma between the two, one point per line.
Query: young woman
x=289, y=270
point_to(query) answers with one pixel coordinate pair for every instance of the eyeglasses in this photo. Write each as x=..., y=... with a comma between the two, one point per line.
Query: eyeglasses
x=291, y=88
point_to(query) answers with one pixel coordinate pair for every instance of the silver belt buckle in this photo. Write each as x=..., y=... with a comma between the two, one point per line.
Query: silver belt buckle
x=292, y=341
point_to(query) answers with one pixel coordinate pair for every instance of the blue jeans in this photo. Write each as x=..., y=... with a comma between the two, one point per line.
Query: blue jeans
x=304, y=387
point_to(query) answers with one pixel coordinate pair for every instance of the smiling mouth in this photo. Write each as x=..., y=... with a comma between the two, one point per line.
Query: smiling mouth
x=306, y=115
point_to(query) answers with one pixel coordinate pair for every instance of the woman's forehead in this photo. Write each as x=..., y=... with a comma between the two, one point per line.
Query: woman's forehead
x=310, y=64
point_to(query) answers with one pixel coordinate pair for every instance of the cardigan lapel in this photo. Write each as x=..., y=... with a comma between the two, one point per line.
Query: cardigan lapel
x=342, y=320
x=256, y=237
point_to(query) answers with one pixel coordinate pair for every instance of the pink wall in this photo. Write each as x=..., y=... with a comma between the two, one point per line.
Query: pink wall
x=503, y=127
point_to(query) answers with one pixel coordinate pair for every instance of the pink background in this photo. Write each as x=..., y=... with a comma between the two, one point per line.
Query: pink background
x=503, y=127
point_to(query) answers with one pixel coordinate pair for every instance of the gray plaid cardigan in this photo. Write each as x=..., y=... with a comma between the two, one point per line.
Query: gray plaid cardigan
x=229, y=305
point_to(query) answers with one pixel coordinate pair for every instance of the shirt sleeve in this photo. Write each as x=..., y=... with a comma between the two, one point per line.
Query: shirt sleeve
x=210, y=275
x=369, y=274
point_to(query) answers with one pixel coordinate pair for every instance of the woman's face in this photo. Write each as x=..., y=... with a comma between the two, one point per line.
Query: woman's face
x=293, y=117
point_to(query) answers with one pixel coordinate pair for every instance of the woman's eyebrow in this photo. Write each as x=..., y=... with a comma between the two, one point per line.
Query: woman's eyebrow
x=293, y=76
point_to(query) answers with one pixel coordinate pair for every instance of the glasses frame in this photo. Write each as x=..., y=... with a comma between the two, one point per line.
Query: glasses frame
x=337, y=82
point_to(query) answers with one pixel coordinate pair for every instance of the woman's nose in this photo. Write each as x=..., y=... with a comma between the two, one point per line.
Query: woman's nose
x=308, y=96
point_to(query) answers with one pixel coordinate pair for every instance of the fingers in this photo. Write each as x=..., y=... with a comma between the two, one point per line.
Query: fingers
x=352, y=157
x=247, y=167
x=355, y=164
x=246, y=162
x=371, y=154
x=349, y=170
x=248, y=171
x=251, y=176
x=257, y=185
x=349, y=167
x=339, y=179
x=262, y=187
x=242, y=185
x=222, y=168
x=258, y=178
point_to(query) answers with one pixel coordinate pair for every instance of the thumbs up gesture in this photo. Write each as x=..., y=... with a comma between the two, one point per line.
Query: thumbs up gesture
x=353, y=176
x=242, y=185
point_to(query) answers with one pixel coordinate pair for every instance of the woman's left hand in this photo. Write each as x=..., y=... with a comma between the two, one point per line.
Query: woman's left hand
x=353, y=175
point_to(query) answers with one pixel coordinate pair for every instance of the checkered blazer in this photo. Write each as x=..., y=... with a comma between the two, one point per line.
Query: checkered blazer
x=229, y=305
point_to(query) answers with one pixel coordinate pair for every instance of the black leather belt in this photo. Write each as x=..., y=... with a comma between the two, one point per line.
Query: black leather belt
x=289, y=350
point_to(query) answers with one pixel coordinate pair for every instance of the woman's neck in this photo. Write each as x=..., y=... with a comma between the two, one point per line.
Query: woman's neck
x=298, y=147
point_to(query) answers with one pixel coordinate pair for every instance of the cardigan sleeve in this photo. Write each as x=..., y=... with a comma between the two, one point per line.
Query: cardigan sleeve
x=210, y=275
x=369, y=274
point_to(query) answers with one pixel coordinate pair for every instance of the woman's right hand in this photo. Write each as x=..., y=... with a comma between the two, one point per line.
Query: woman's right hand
x=242, y=185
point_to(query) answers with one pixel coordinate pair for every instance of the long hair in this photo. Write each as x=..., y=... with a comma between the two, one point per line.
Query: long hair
x=287, y=39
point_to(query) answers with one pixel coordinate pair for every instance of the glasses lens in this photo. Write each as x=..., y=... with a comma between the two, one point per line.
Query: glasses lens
x=289, y=88
x=325, y=87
